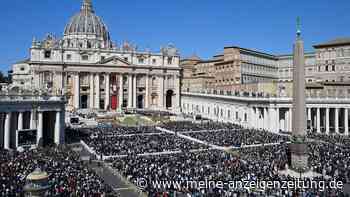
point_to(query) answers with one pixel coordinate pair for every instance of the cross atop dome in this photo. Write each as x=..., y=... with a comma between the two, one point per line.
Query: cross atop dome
x=298, y=27
x=87, y=6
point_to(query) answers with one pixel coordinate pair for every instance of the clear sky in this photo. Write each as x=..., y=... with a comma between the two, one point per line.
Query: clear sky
x=203, y=27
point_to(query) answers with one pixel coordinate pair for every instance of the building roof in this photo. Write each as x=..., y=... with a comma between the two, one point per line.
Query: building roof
x=335, y=42
x=23, y=61
x=253, y=52
x=193, y=57
x=86, y=22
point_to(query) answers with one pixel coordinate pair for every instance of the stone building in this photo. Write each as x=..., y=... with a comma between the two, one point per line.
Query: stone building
x=93, y=72
x=227, y=71
x=41, y=115
x=238, y=69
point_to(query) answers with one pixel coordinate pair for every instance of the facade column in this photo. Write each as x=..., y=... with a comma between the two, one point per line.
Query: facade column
x=121, y=92
x=58, y=127
x=107, y=91
x=97, y=91
x=130, y=91
x=346, y=121
x=40, y=127
x=161, y=92
x=318, y=120
x=336, y=120
x=327, y=120
x=76, y=91
x=92, y=102
x=177, y=93
x=147, y=93
x=134, y=92
x=7, y=131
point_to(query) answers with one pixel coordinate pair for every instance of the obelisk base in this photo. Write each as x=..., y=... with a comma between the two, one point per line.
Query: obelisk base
x=299, y=157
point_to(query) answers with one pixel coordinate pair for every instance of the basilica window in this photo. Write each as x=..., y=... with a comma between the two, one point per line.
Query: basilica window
x=170, y=60
x=102, y=58
x=47, y=54
x=126, y=59
x=69, y=56
x=141, y=60
x=154, y=61
x=85, y=57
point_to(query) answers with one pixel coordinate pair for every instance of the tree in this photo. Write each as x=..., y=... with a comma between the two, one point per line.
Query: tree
x=3, y=79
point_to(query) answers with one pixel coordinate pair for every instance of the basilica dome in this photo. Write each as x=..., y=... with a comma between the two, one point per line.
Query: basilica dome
x=87, y=25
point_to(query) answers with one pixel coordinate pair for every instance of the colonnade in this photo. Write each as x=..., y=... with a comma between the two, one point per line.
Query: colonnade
x=13, y=121
x=323, y=116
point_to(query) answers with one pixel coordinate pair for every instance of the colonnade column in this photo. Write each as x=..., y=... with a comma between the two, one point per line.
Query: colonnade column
x=76, y=91
x=130, y=91
x=91, y=99
x=278, y=119
x=318, y=121
x=107, y=91
x=7, y=131
x=121, y=92
x=252, y=118
x=327, y=120
x=58, y=127
x=290, y=119
x=20, y=121
x=134, y=92
x=346, y=121
x=286, y=120
x=309, y=116
x=147, y=92
x=40, y=127
x=97, y=91
x=336, y=121
x=266, y=119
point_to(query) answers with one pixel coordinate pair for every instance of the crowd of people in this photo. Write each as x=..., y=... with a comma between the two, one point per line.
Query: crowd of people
x=238, y=137
x=139, y=144
x=68, y=176
x=185, y=126
x=117, y=130
x=254, y=163
x=340, y=140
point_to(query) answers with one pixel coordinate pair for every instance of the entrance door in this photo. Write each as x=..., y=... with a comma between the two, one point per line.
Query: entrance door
x=114, y=102
x=84, y=101
x=169, y=97
x=140, y=102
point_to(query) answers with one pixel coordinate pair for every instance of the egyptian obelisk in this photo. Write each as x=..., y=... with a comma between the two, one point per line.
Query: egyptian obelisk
x=298, y=146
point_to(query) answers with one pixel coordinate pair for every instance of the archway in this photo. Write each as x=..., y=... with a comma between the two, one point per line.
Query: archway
x=169, y=97
x=84, y=101
x=140, y=101
x=48, y=128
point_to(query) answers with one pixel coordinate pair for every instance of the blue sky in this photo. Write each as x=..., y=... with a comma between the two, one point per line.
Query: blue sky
x=203, y=27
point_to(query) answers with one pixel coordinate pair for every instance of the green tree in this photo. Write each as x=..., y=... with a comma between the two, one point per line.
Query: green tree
x=2, y=78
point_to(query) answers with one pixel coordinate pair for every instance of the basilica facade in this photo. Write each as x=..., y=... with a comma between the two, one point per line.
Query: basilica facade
x=95, y=73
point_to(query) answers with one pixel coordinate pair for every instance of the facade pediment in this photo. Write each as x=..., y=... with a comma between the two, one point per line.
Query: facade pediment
x=114, y=61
